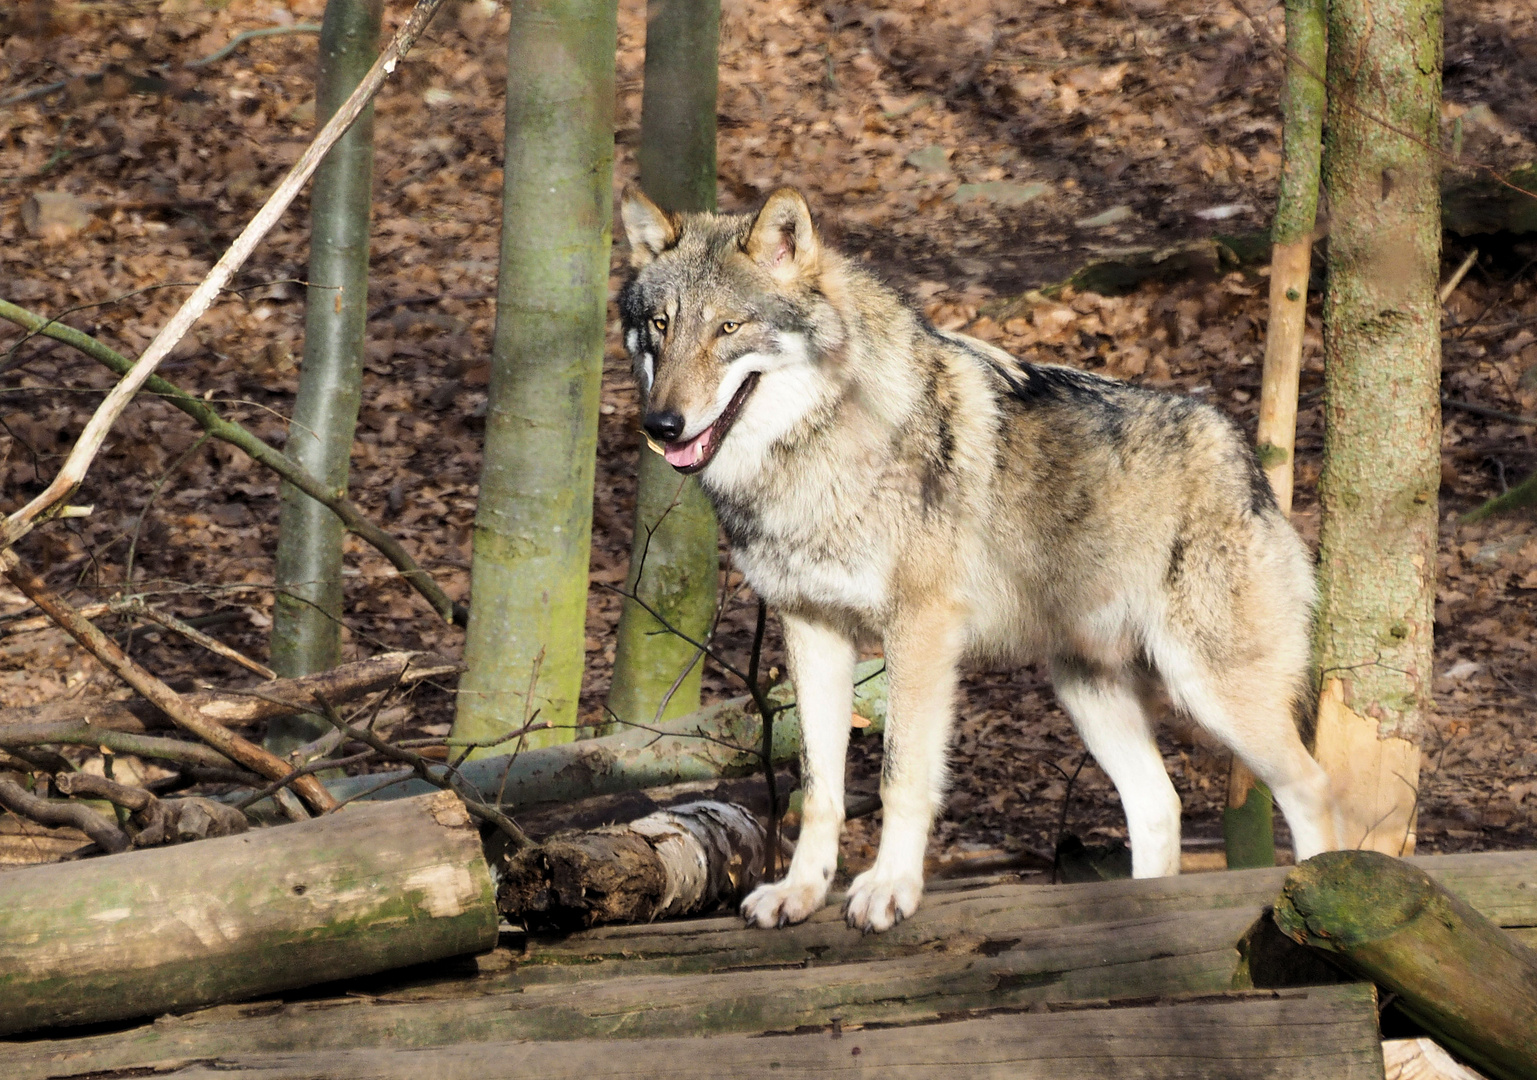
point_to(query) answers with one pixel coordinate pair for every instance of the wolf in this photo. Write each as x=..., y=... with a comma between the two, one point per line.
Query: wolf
x=885, y=483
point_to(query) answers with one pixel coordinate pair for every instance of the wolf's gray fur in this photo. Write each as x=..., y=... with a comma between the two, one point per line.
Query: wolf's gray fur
x=883, y=482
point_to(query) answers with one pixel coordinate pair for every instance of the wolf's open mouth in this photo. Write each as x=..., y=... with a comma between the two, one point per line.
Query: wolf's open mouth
x=695, y=454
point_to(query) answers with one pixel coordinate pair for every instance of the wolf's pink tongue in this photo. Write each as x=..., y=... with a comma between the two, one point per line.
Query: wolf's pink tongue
x=684, y=455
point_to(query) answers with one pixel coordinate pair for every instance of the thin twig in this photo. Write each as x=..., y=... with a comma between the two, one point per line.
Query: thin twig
x=303, y=770
x=1457, y=276
x=138, y=607
x=423, y=768
x=1484, y=410
x=89, y=444
x=138, y=522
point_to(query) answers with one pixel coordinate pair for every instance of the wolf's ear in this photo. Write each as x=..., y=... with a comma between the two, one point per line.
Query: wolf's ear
x=782, y=239
x=651, y=230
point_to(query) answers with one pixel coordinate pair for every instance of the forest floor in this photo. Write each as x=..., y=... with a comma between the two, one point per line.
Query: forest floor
x=969, y=151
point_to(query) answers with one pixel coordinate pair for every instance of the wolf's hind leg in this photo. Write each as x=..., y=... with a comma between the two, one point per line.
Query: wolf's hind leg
x=1249, y=710
x=1106, y=708
x=923, y=648
x=822, y=668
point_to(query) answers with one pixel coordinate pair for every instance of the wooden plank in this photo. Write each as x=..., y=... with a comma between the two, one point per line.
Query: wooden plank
x=979, y=950
x=1187, y=952
x=1295, y=1035
x=1501, y=885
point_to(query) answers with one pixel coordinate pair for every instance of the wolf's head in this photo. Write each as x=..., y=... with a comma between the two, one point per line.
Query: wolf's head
x=726, y=319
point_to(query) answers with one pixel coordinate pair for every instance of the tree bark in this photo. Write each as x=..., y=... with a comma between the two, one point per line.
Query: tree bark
x=690, y=859
x=674, y=564
x=1234, y=1037
x=307, y=615
x=721, y=740
x=533, y=527
x=177, y=928
x=1382, y=414
x=1469, y=984
x=1248, y=822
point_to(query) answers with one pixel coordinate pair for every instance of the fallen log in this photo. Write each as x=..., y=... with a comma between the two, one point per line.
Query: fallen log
x=693, y=858
x=372, y=888
x=1469, y=984
x=546, y=819
x=1234, y=1038
x=278, y=697
x=720, y=740
x=1013, y=946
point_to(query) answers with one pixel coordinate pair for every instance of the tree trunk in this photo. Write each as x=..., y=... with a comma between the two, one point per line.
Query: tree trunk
x=307, y=616
x=673, y=561
x=1226, y=1037
x=1248, y=821
x=1464, y=980
x=533, y=527
x=720, y=740
x=139, y=934
x=1382, y=432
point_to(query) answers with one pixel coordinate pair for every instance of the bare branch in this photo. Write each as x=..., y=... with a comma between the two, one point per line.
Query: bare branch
x=48, y=812
x=89, y=444
x=260, y=451
x=159, y=694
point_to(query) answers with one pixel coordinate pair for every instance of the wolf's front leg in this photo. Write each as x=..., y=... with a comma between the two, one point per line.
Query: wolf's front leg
x=822, y=669
x=923, y=649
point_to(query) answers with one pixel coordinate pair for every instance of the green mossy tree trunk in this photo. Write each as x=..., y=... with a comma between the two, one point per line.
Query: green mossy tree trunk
x=306, y=619
x=673, y=562
x=1248, y=823
x=533, y=527
x=1382, y=434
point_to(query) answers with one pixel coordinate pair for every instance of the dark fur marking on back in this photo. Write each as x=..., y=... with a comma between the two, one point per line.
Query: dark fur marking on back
x=1176, y=561
x=1261, y=497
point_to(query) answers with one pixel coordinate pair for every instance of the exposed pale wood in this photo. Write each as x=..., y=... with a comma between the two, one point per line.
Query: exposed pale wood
x=150, y=931
x=1375, y=778
x=1306, y=1035
x=1466, y=982
x=1422, y=1059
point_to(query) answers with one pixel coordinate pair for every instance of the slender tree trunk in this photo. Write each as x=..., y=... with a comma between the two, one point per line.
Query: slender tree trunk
x=306, y=620
x=533, y=528
x=1382, y=434
x=1248, y=822
x=673, y=562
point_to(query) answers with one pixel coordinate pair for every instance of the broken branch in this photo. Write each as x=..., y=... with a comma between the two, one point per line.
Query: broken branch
x=89, y=444
x=261, y=452
x=17, y=800
x=159, y=694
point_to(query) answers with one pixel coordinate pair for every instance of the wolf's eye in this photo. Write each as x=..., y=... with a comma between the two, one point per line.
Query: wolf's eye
x=729, y=327
x=660, y=322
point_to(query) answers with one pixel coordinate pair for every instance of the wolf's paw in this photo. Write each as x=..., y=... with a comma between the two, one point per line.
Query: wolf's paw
x=878, y=899
x=783, y=902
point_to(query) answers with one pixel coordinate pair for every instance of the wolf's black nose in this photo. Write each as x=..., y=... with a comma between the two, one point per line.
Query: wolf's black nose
x=663, y=426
